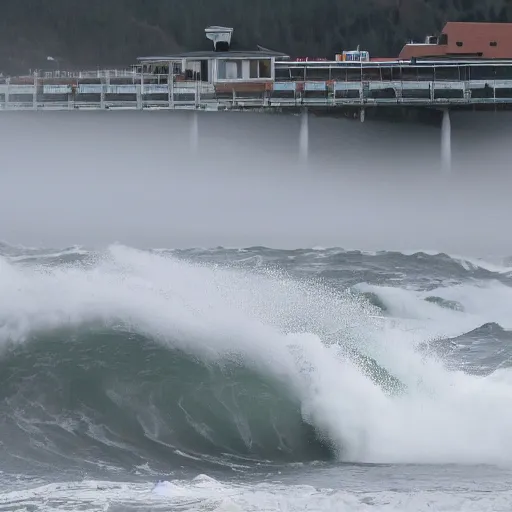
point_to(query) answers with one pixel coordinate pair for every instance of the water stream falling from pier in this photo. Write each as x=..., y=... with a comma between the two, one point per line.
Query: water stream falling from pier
x=194, y=131
x=446, y=142
x=304, y=137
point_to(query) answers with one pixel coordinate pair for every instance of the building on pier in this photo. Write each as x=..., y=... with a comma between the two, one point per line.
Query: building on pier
x=225, y=67
x=464, y=40
x=466, y=60
x=226, y=77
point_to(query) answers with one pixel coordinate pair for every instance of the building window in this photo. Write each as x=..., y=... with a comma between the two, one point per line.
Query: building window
x=234, y=69
x=265, y=69
x=459, y=43
x=493, y=43
x=253, y=69
x=229, y=69
x=221, y=69
x=260, y=68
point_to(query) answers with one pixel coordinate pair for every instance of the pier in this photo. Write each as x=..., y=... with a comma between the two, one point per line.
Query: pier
x=436, y=76
x=295, y=85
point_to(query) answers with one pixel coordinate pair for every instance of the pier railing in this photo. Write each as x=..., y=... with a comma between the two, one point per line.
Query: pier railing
x=296, y=84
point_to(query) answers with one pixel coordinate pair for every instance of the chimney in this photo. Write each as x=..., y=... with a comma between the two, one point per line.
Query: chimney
x=221, y=37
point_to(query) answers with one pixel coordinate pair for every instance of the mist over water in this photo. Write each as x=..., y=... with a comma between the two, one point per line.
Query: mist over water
x=270, y=373
x=92, y=178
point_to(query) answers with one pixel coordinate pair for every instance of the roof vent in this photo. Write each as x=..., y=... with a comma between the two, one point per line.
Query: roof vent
x=221, y=37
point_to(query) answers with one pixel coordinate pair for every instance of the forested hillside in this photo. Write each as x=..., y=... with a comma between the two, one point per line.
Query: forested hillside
x=90, y=33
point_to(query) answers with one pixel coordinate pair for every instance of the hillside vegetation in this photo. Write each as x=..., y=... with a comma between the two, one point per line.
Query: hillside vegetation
x=91, y=33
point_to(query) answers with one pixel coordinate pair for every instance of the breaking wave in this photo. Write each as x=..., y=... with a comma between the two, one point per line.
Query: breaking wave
x=129, y=356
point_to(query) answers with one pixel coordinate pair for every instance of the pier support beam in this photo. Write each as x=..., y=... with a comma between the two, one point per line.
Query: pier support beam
x=102, y=94
x=34, y=94
x=304, y=136
x=7, y=92
x=140, y=93
x=446, y=142
x=194, y=131
x=139, y=96
x=171, y=91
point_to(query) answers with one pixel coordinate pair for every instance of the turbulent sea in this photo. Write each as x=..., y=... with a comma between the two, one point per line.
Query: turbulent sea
x=254, y=380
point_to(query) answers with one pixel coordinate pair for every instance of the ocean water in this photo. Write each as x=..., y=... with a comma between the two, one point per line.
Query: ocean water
x=254, y=380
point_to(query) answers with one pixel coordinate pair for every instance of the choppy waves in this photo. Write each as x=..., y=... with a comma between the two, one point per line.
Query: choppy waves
x=126, y=357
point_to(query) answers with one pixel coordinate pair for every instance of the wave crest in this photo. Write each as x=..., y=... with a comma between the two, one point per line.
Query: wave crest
x=284, y=344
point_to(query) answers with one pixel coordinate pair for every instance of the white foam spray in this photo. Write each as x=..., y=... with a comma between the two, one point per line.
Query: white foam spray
x=282, y=327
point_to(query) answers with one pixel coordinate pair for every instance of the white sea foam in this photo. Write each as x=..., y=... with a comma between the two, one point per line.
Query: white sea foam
x=282, y=327
x=482, y=302
x=207, y=494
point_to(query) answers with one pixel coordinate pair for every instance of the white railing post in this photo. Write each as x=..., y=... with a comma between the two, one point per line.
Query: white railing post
x=140, y=93
x=7, y=92
x=103, y=92
x=34, y=94
x=170, y=89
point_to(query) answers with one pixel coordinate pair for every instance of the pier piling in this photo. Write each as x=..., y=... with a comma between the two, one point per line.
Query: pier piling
x=140, y=91
x=304, y=136
x=194, y=131
x=34, y=93
x=446, y=142
x=7, y=93
x=102, y=95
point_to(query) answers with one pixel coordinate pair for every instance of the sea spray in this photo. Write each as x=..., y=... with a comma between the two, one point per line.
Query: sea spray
x=273, y=326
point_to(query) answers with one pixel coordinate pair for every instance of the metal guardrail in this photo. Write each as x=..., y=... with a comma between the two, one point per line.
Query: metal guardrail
x=145, y=92
x=98, y=73
x=248, y=103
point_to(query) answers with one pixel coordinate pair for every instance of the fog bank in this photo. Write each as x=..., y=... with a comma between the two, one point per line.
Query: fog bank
x=93, y=178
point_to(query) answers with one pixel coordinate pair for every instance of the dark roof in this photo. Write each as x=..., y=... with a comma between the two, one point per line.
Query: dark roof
x=210, y=54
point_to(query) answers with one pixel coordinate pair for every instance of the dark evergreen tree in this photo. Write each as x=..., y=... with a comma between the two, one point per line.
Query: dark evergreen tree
x=91, y=33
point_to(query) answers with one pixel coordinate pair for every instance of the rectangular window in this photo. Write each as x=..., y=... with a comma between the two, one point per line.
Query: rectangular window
x=253, y=69
x=233, y=69
x=265, y=68
x=297, y=73
x=229, y=69
x=282, y=74
x=221, y=69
